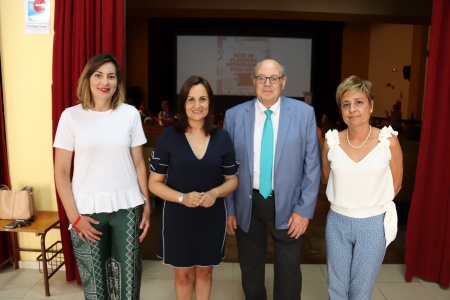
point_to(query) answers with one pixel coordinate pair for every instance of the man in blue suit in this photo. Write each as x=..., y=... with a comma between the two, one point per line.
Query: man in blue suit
x=285, y=210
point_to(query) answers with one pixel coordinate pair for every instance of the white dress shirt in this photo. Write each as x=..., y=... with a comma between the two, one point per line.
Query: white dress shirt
x=260, y=119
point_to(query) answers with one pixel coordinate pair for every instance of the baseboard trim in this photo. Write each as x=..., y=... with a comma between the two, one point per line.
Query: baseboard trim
x=34, y=265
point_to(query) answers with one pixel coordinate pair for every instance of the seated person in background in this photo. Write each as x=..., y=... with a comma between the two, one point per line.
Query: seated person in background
x=165, y=117
x=218, y=120
x=142, y=111
x=326, y=124
x=147, y=117
x=319, y=130
x=396, y=117
x=308, y=100
x=150, y=119
x=375, y=122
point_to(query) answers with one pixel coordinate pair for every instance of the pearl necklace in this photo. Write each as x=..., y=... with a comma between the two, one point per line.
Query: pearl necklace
x=367, y=138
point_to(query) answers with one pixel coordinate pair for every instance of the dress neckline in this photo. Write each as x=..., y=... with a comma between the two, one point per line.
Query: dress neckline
x=333, y=140
x=357, y=162
x=192, y=150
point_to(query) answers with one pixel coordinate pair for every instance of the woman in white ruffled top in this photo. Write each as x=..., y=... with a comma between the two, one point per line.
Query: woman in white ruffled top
x=106, y=200
x=363, y=169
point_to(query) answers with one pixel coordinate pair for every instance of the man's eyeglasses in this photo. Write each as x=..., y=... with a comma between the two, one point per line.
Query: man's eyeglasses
x=272, y=79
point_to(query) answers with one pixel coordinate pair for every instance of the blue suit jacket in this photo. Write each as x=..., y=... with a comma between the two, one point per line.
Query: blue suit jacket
x=297, y=166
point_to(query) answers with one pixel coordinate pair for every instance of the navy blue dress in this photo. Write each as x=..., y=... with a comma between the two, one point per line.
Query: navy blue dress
x=193, y=236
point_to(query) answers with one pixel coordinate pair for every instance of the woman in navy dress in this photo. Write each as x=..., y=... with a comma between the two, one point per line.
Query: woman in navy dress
x=193, y=166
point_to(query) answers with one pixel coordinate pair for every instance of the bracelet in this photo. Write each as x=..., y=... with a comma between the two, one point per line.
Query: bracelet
x=77, y=220
x=74, y=225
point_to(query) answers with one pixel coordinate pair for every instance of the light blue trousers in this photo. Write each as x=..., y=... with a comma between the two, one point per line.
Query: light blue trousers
x=355, y=252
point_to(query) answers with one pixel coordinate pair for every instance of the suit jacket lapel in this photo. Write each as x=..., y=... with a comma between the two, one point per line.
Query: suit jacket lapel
x=249, y=129
x=283, y=128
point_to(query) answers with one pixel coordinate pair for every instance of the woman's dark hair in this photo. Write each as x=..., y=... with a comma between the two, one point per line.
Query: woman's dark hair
x=84, y=93
x=183, y=123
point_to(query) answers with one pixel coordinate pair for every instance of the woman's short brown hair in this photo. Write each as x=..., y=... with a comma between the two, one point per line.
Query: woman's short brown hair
x=84, y=93
x=183, y=124
x=356, y=84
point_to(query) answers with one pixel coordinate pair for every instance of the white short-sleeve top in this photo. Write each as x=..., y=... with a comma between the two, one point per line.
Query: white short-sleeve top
x=104, y=176
x=365, y=188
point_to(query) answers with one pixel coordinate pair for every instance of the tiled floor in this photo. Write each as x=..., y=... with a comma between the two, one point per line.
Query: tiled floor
x=157, y=284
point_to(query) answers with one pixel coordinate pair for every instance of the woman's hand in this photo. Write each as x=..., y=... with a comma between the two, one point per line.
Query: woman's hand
x=208, y=199
x=86, y=231
x=145, y=222
x=192, y=199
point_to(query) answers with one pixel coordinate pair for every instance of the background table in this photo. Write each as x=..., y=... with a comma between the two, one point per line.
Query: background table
x=44, y=221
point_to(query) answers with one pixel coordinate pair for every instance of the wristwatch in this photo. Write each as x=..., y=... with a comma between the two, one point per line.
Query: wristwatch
x=180, y=198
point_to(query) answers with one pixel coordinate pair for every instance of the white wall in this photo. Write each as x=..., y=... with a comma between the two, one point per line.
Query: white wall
x=390, y=49
x=27, y=78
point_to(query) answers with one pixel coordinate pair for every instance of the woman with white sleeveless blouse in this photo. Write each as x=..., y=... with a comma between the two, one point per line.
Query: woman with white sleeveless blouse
x=363, y=169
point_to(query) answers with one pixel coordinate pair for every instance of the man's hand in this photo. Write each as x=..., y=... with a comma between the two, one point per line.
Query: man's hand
x=231, y=225
x=297, y=225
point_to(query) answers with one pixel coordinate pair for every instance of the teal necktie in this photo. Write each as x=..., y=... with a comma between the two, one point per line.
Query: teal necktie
x=266, y=162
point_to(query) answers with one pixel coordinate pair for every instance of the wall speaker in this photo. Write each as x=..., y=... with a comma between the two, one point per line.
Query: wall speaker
x=406, y=72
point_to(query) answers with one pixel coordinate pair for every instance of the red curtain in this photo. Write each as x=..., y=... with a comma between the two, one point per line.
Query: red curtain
x=427, y=252
x=5, y=238
x=82, y=29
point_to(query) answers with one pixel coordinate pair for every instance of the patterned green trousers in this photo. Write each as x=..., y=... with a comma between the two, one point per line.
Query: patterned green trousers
x=112, y=267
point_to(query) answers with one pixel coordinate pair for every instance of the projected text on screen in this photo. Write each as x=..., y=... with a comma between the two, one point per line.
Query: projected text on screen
x=227, y=62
